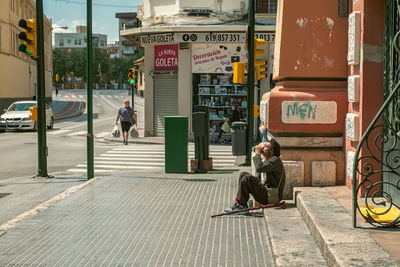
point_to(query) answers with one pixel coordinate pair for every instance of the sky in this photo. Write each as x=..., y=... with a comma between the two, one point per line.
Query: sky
x=72, y=13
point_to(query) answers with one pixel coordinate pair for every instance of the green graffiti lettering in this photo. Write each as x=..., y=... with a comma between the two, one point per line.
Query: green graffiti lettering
x=304, y=111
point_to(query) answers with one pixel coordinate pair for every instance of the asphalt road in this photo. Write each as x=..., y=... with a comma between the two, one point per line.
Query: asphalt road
x=67, y=141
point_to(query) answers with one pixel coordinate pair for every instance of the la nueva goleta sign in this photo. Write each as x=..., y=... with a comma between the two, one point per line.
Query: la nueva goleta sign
x=166, y=57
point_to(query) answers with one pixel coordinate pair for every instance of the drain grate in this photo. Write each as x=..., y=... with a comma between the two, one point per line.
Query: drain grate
x=4, y=194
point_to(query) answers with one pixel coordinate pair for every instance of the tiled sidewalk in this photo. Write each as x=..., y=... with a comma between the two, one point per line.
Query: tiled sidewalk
x=142, y=220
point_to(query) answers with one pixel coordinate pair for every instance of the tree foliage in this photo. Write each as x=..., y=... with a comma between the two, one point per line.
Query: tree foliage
x=65, y=62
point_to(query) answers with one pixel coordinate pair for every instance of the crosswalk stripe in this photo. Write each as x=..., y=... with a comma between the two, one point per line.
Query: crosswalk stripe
x=149, y=158
x=78, y=133
x=55, y=132
x=128, y=163
x=84, y=170
x=103, y=134
x=162, y=152
x=162, y=149
x=117, y=166
x=141, y=159
x=125, y=155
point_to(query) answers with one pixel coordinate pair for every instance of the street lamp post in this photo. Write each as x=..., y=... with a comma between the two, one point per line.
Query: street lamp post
x=250, y=83
x=41, y=98
x=89, y=137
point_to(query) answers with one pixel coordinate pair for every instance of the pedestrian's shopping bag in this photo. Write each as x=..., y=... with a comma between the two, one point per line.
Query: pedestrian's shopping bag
x=225, y=127
x=134, y=132
x=115, y=132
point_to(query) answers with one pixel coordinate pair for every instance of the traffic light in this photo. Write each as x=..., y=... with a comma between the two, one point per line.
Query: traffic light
x=28, y=36
x=262, y=71
x=259, y=58
x=131, y=76
x=57, y=77
x=33, y=115
x=238, y=72
x=256, y=111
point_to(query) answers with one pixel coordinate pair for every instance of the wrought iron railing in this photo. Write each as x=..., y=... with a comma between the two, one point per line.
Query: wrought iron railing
x=376, y=160
x=380, y=146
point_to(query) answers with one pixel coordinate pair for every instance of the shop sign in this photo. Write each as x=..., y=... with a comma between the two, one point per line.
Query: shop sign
x=162, y=38
x=166, y=57
x=203, y=37
x=217, y=58
x=221, y=37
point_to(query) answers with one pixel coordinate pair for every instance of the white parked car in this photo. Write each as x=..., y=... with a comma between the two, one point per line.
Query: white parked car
x=16, y=117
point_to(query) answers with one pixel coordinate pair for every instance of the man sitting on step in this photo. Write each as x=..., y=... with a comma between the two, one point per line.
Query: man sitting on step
x=268, y=163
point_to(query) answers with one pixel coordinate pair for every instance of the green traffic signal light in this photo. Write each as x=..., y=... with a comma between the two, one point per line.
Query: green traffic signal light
x=24, y=49
x=28, y=36
x=131, y=81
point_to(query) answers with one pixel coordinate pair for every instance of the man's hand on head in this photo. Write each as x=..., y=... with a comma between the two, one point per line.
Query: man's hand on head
x=259, y=148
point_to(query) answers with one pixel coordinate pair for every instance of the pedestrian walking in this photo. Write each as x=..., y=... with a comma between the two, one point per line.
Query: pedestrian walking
x=267, y=164
x=127, y=117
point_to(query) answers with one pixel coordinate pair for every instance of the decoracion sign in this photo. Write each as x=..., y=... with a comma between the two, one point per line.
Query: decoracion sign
x=166, y=57
x=217, y=58
x=308, y=112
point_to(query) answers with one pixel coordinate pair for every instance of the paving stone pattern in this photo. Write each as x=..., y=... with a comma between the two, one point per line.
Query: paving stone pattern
x=141, y=221
x=24, y=193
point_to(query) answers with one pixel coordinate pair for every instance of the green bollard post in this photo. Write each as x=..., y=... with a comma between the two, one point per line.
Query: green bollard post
x=198, y=123
x=176, y=144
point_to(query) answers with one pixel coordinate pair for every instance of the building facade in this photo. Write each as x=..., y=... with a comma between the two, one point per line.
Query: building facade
x=126, y=21
x=78, y=40
x=190, y=48
x=18, y=75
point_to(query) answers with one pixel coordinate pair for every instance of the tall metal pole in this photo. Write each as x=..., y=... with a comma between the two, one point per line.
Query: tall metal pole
x=89, y=138
x=41, y=95
x=133, y=97
x=250, y=83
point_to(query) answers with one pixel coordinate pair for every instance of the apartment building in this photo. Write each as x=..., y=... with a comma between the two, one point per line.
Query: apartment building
x=18, y=72
x=78, y=39
x=127, y=20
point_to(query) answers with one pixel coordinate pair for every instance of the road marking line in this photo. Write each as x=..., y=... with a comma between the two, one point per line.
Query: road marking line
x=109, y=102
x=78, y=133
x=117, y=167
x=115, y=163
x=141, y=159
x=57, y=132
x=103, y=134
x=84, y=170
x=125, y=159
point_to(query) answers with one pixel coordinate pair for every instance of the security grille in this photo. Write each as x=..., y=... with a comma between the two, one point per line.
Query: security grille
x=165, y=100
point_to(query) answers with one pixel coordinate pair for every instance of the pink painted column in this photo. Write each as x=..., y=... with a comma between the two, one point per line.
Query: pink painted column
x=306, y=110
x=366, y=74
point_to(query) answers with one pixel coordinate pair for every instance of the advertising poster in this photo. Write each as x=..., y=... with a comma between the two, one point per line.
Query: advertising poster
x=166, y=57
x=217, y=58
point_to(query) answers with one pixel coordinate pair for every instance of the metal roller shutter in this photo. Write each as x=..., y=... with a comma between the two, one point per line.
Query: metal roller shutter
x=165, y=100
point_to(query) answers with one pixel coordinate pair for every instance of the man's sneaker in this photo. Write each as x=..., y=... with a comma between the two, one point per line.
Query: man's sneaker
x=237, y=207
